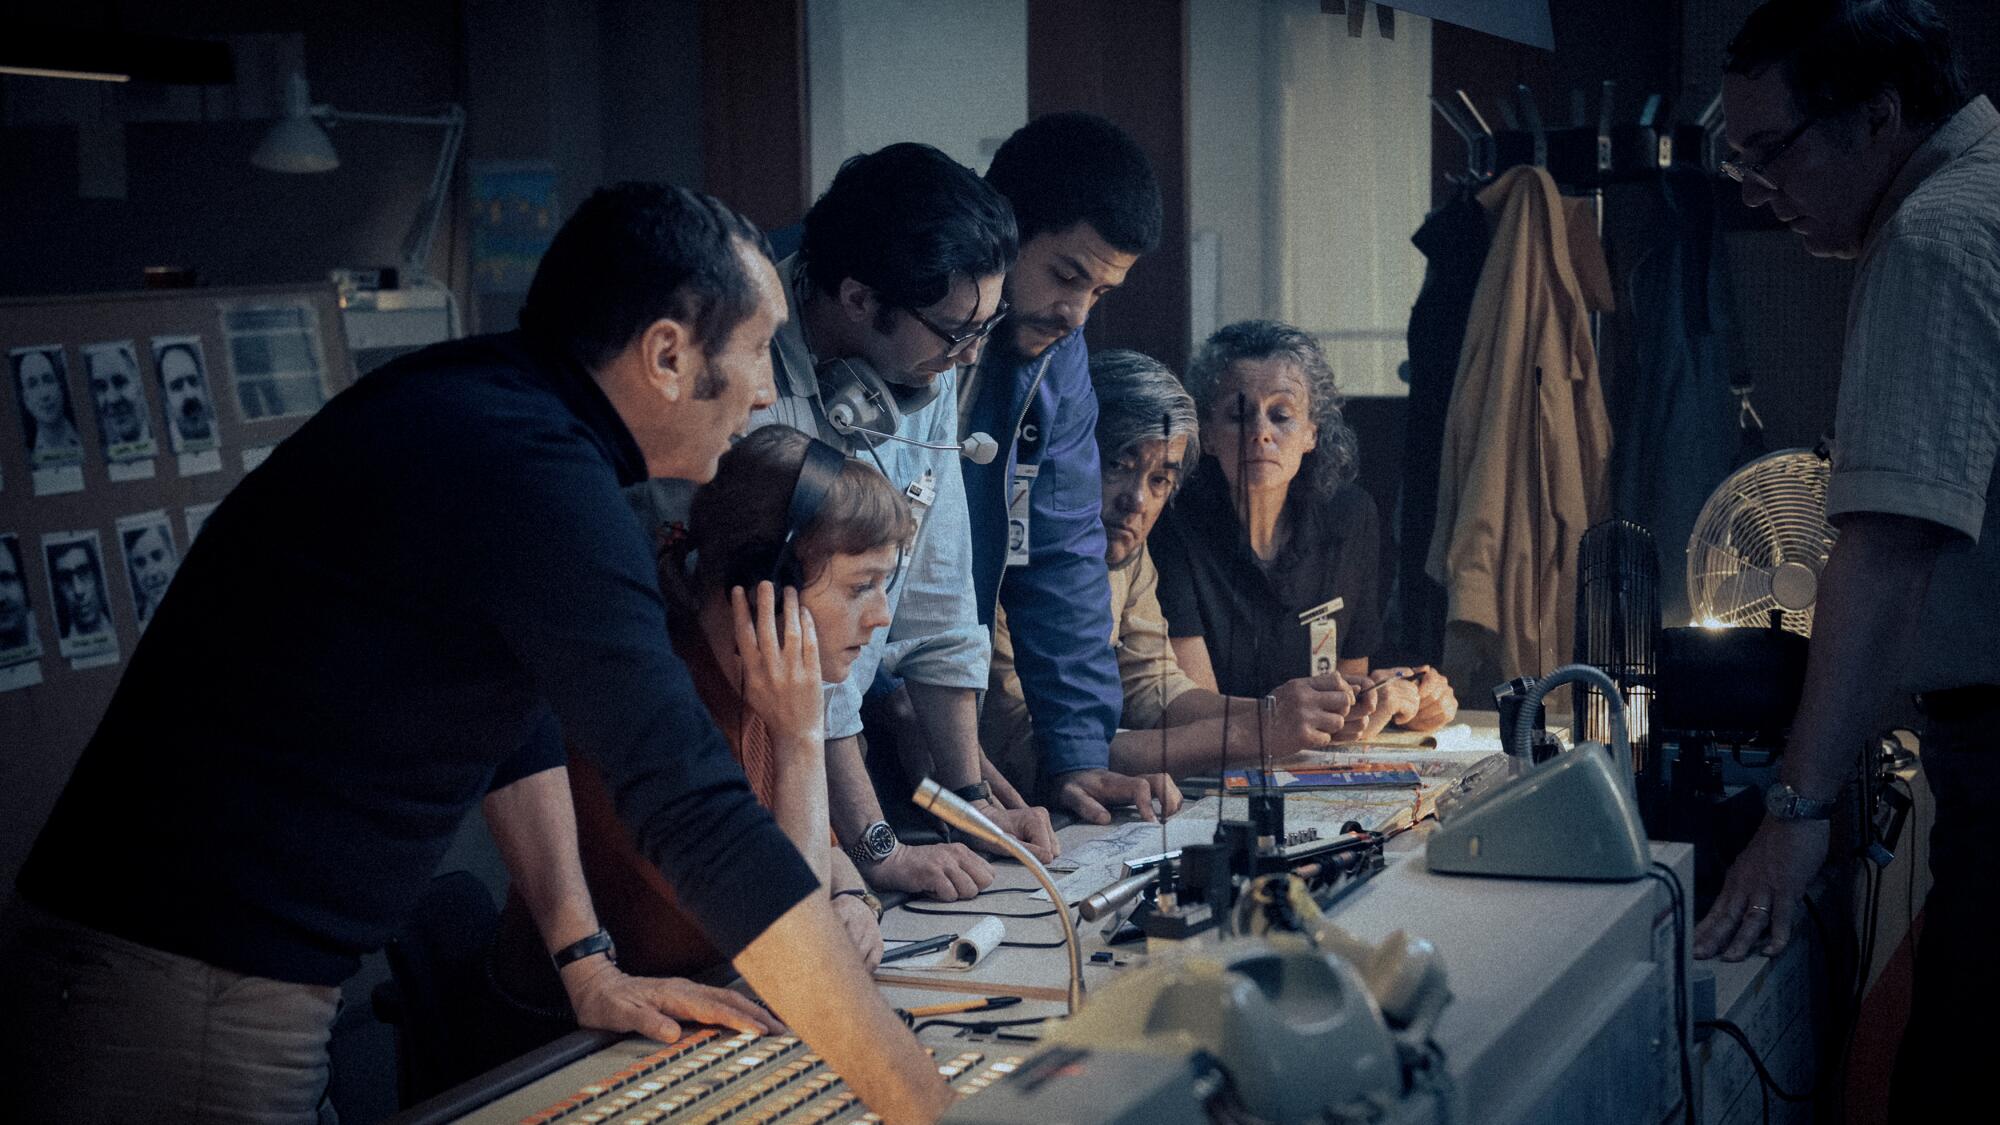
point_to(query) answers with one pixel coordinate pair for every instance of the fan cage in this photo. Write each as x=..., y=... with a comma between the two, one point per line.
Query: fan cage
x=1618, y=630
x=1769, y=513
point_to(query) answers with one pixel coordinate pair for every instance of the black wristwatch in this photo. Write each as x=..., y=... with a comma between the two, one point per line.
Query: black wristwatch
x=877, y=843
x=1782, y=802
x=599, y=942
x=977, y=791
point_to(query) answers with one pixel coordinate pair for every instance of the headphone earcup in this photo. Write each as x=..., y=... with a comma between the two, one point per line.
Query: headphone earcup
x=854, y=396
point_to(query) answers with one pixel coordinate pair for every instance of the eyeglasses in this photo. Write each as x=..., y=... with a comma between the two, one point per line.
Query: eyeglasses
x=1743, y=171
x=955, y=343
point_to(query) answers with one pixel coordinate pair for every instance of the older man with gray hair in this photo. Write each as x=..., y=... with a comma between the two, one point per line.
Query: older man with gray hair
x=1147, y=435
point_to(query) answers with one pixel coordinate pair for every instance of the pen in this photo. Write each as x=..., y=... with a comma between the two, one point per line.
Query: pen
x=918, y=948
x=983, y=1004
x=1379, y=683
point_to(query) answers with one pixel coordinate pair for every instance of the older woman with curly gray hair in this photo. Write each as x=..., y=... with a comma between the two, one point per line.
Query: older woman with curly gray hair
x=1268, y=559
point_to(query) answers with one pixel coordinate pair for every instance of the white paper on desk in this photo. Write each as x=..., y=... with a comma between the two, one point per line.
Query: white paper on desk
x=1099, y=859
x=971, y=947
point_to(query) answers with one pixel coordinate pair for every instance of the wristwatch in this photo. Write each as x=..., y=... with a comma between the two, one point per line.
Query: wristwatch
x=877, y=843
x=1783, y=802
x=867, y=898
x=599, y=942
x=977, y=791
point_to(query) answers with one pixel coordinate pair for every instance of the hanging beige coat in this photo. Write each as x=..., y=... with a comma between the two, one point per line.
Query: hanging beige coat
x=1512, y=590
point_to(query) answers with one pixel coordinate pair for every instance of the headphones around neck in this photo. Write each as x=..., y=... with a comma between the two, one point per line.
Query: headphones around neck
x=862, y=404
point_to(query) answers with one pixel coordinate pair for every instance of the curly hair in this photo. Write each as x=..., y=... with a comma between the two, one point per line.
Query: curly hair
x=1334, y=460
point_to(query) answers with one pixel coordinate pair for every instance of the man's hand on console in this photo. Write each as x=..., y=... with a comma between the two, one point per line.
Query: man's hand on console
x=945, y=872
x=1029, y=825
x=1092, y=793
x=863, y=928
x=1762, y=892
x=607, y=998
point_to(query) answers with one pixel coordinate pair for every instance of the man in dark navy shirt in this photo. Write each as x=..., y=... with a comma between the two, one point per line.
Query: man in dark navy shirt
x=408, y=609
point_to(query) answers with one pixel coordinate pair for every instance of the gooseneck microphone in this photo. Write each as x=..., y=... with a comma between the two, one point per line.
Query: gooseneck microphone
x=953, y=810
x=980, y=448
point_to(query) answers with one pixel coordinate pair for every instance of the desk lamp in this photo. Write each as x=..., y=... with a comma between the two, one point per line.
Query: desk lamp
x=298, y=143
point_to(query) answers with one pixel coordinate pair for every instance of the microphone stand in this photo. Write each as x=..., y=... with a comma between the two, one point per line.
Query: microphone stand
x=953, y=810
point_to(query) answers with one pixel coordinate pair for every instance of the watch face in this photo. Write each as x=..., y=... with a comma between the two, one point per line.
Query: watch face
x=880, y=839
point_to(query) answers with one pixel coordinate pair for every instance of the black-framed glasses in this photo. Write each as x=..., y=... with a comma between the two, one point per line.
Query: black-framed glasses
x=1745, y=171
x=954, y=343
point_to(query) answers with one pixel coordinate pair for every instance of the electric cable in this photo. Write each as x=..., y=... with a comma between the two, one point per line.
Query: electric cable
x=1677, y=896
x=1763, y=1071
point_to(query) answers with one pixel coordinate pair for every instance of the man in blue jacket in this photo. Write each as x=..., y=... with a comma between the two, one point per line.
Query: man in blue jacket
x=1087, y=206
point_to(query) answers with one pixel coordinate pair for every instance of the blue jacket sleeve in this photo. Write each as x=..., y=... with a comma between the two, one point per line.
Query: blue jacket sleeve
x=1059, y=605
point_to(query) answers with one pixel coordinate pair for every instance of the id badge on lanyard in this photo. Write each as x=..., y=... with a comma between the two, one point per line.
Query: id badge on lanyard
x=921, y=494
x=1021, y=490
x=1323, y=647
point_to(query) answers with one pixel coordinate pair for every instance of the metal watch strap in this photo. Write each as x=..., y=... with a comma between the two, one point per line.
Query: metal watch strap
x=870, y=846
x=599, y=942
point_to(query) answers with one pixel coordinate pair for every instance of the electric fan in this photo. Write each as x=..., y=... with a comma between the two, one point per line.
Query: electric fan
x=1760, y=543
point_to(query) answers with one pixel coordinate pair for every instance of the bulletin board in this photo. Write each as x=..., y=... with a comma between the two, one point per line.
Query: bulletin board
x=124, y=418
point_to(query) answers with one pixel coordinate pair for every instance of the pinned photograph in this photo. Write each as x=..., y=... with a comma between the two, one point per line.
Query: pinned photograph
x=197, y=516
x=124, y=416
x=276, y=359
x=18, y=639
x=150, y=560
x=48, y=420
x=185, y=401
x=84, y=632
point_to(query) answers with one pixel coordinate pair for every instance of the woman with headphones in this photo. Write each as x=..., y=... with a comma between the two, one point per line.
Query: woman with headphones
x=774, y=587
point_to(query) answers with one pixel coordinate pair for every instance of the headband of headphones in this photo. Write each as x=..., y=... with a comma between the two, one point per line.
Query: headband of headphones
x=821, y=467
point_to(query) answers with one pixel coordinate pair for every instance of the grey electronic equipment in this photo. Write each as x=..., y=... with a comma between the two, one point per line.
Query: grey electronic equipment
x=1299, y=1022
x=1573, y=816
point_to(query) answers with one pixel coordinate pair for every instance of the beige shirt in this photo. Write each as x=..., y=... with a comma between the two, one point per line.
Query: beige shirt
x=1918, y=423
x=1152, y=679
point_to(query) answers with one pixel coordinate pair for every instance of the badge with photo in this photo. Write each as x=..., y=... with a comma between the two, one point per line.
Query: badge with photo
x=18, y=639
x=147, y=540
x=48, y=418
x=20, y=643
x=187, y=404
x=124, y=414
x=77, y=590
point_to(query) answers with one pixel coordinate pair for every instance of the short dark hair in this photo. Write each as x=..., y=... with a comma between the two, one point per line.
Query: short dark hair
x=632, y=254
x=736, y=522
x=1336, y=457
x=1062, y=169
x=904, y=221
x=1837, y=54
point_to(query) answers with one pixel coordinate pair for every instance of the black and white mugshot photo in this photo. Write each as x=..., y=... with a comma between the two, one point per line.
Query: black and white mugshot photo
x=124, y=419
x=48, y=420
x=18, y=640
x=150, y=560
x=77, y=590
x=184, y=393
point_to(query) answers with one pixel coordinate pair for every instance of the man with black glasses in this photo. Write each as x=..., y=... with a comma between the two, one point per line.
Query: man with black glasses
x=1852, y=123
x=897, y=283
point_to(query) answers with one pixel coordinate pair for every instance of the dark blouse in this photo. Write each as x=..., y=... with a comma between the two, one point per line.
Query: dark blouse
x=1212, y=585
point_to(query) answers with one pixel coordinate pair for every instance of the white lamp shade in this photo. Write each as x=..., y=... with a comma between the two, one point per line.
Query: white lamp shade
x=296, y=144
